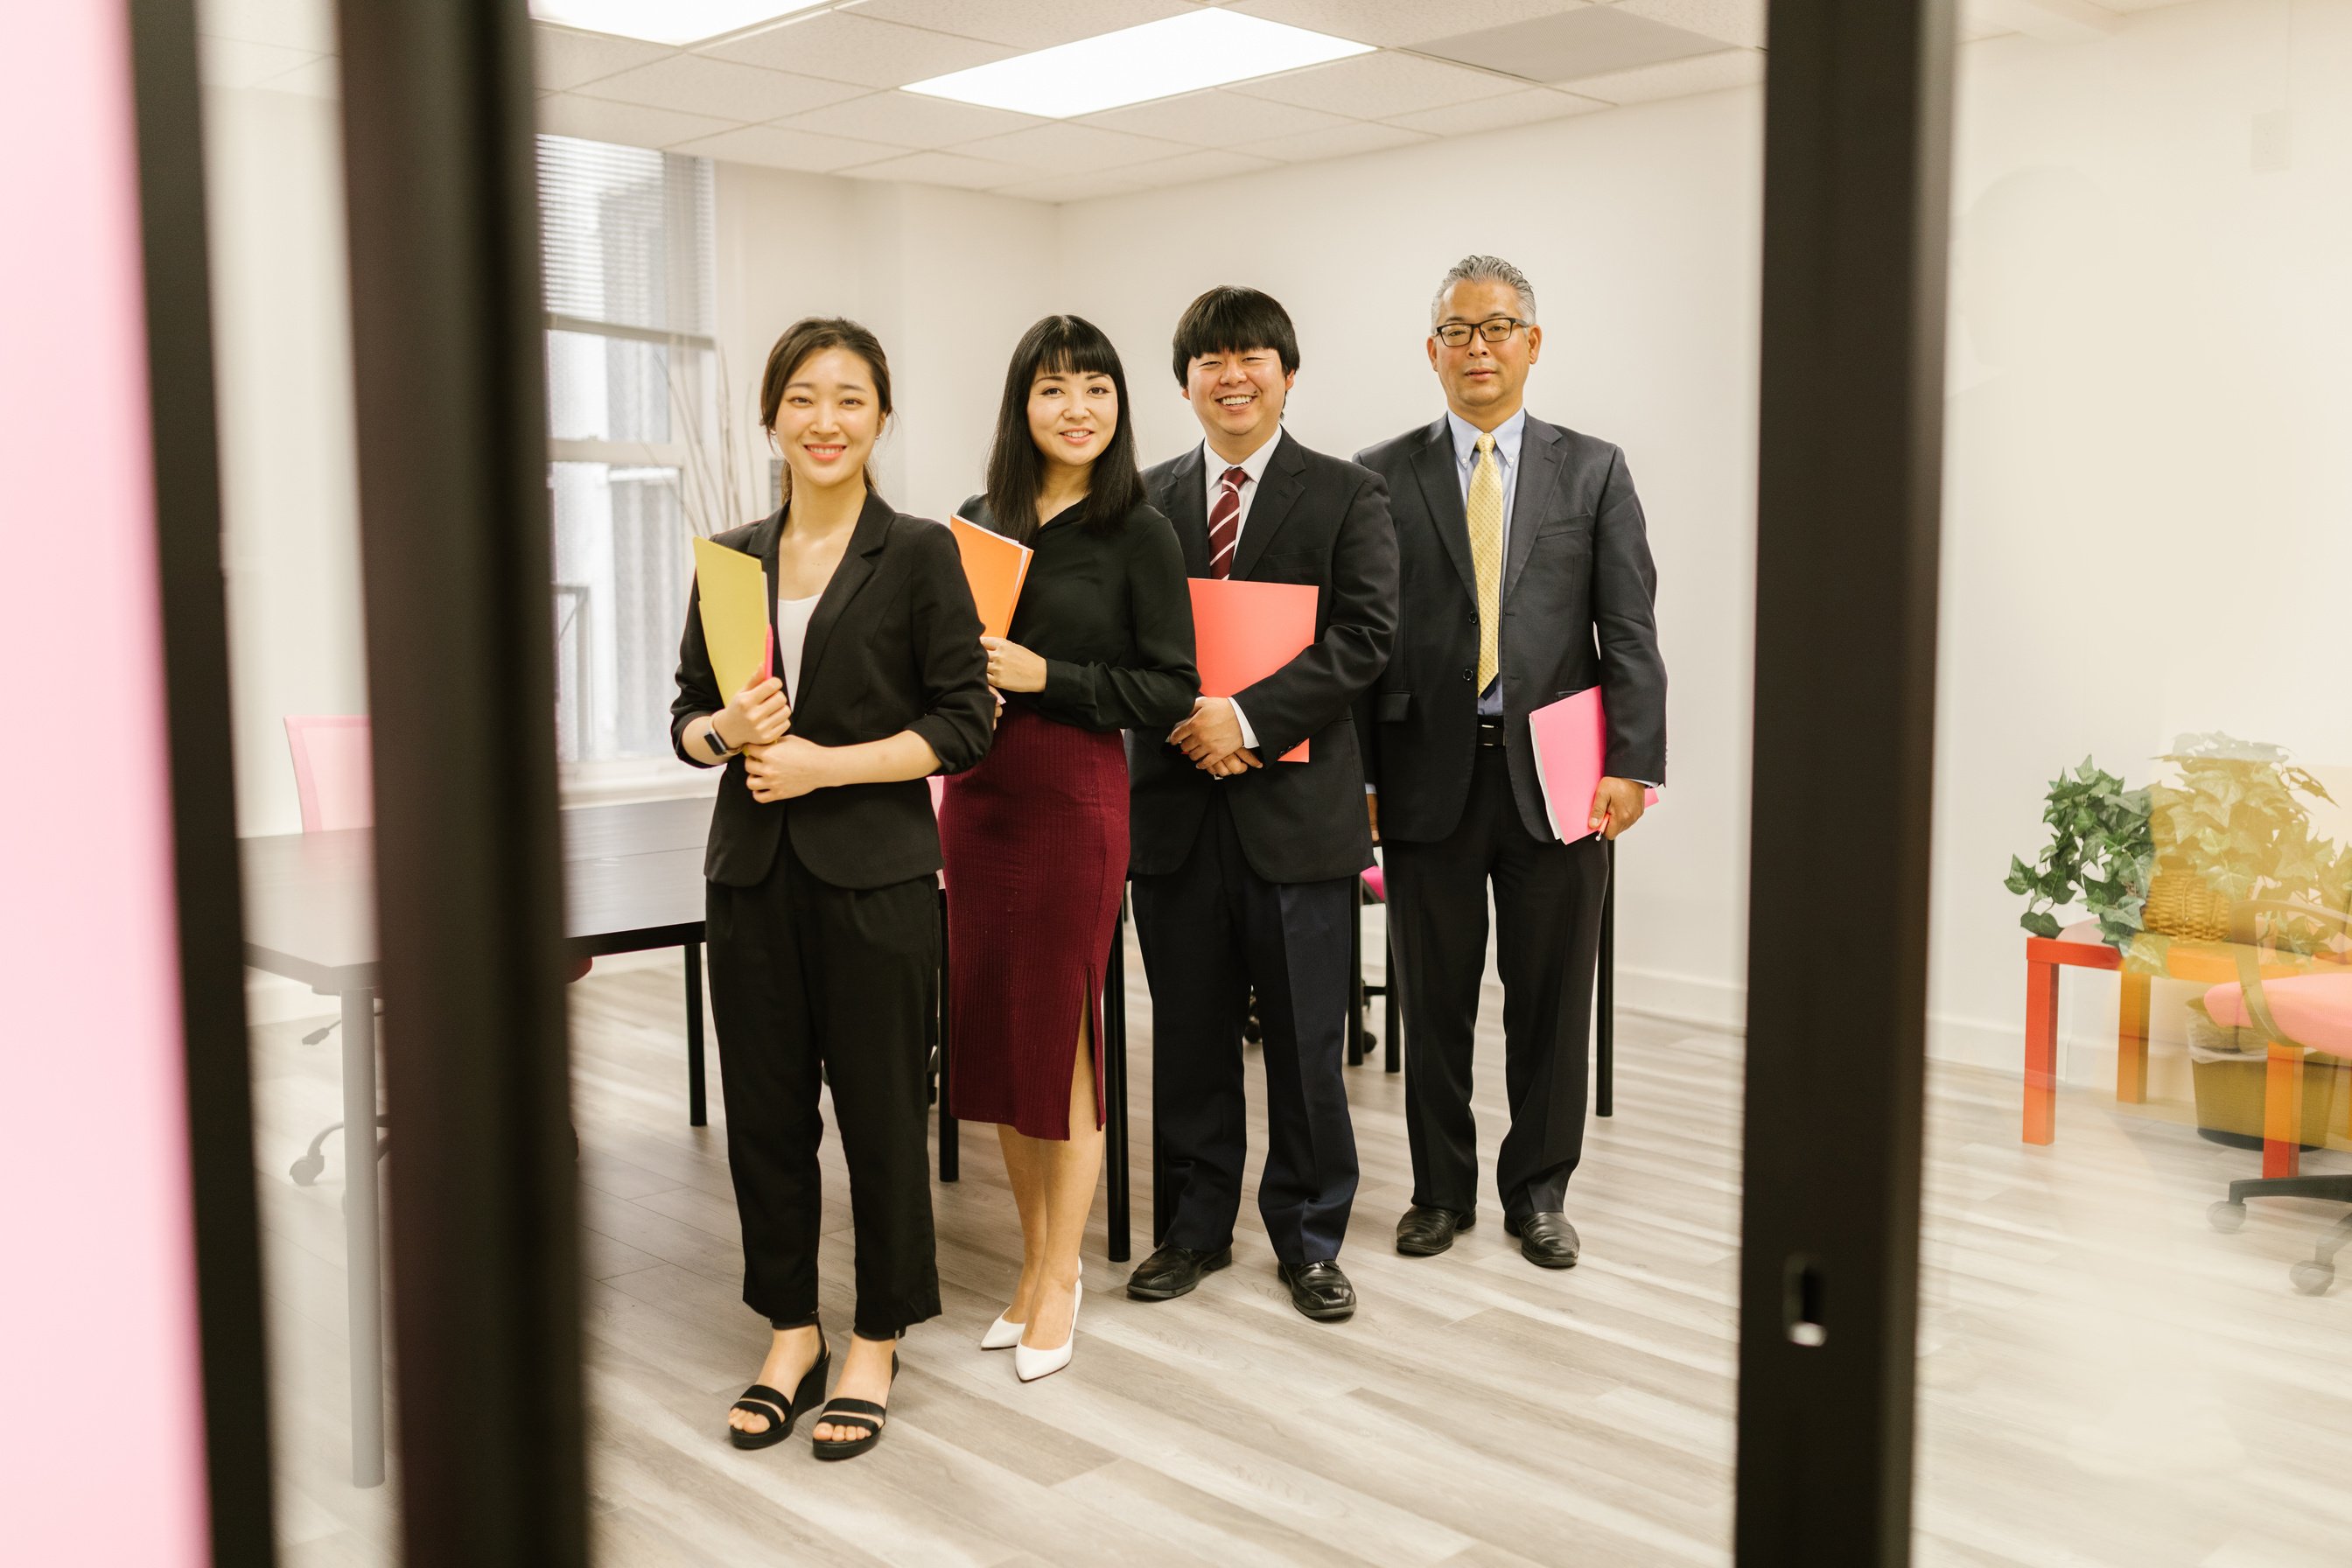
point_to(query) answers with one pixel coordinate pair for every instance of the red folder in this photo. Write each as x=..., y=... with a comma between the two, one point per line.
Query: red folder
x=1571, y=738
x=1244, y=632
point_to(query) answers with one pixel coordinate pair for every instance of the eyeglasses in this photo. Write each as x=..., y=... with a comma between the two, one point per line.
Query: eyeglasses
x=1494, y=329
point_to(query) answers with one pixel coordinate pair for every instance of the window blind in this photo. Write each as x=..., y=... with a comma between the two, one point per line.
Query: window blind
x=626, y=235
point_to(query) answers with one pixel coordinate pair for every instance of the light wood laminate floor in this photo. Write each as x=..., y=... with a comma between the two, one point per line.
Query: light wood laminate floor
x=2105, y=1380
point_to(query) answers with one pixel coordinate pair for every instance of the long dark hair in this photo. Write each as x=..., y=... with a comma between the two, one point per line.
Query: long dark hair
x=812, y=335
x=1070, y=346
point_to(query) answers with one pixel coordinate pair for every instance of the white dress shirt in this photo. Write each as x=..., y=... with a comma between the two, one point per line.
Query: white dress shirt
x=1213, y=470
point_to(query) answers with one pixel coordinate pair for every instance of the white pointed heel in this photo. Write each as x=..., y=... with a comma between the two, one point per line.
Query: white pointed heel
x=1003, y=1334
x=1032, y=1364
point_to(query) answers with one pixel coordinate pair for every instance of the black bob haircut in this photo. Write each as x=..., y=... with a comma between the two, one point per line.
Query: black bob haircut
x=1227, y=320
x=1063, y=345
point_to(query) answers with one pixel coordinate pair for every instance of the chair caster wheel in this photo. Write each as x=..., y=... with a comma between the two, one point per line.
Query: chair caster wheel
x=2312, y=1277
x=306, y=1169
x=2226, y=1216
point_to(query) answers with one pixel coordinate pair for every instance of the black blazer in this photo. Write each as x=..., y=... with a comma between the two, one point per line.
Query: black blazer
x=894, y=644
x=1579, y=594
x=1315, y=519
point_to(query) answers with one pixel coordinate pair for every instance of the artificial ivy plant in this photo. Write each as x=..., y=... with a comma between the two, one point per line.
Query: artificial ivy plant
x=2233, y=820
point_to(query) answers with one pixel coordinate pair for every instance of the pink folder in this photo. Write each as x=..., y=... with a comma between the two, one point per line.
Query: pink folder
x=1245, y=631
x=1571, y=739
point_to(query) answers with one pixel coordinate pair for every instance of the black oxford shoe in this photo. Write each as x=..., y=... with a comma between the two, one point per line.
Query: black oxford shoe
x=1546, y=1239
x=1426, y=1230
x=1172, y=1271
x=1319, y=1290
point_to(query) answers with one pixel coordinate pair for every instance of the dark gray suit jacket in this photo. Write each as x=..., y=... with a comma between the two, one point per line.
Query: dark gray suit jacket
x=1579, y=591
x=1317, y=520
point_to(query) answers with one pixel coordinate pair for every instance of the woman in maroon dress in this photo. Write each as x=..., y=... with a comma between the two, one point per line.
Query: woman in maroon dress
x=1035, y=836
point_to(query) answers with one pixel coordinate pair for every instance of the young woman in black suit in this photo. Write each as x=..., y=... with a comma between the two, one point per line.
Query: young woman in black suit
x=822, y=923
x=1035, y=837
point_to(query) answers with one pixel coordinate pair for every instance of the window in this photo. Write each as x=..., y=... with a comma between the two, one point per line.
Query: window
x=635, y=427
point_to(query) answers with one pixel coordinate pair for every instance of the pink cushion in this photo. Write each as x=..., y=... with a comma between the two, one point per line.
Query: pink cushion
x=1378, y=883
x=2315, y=1010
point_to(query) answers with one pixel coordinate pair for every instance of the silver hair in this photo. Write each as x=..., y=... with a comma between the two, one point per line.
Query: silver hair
x=1483, y=269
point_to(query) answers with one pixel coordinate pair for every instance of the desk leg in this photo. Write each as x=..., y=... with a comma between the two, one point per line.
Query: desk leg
x=2131, y=1041
x=698, y=1101
x=1394, y=1012
x=1604, y=1004
x=2283, y=1111
x=950, y=1135
x=2041, y=1051
x=362, y=1254
x=1114, y=1085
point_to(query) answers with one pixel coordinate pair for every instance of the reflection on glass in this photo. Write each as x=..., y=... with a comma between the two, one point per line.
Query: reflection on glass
x=2145, y=762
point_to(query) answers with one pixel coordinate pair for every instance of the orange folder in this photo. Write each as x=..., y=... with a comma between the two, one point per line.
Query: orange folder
x=995, y=566
x=1244, y=632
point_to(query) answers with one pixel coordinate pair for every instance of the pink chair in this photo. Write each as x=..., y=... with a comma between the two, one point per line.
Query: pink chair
x=1373, y=888
x=2295, y=1013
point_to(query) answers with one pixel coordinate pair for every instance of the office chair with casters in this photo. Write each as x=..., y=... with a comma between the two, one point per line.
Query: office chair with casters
x=334, y=788
x=2295, y=1013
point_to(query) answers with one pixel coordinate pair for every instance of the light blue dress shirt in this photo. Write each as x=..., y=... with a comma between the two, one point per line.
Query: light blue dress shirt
x=1466, y=462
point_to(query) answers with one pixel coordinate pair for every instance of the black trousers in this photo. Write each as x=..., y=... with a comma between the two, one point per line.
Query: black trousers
x=805, y=975
x=1212, y=931
x=1548, y=899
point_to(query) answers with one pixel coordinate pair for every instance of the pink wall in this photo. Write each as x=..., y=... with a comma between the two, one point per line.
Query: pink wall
x=101, y=1444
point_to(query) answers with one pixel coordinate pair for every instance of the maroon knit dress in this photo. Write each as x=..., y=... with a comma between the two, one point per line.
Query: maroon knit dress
x=1035, y=834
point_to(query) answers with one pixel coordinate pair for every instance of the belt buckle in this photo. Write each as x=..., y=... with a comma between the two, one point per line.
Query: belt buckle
x=1490, y=732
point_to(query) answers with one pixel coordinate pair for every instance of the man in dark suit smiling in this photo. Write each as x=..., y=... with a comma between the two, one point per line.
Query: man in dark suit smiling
x=1527, y=578
x=1246, y=866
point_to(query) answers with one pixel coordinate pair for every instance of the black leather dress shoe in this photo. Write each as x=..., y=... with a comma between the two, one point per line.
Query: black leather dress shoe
x=1546, y=1239
x=1172, y=1271
x=1319, y=1290
x=1426, y=1230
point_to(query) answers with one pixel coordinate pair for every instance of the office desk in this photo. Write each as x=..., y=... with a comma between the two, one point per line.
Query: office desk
x=633, y=881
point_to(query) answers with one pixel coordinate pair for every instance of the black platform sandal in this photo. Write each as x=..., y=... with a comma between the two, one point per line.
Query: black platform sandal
x=852, y=1413
x=761, y=1400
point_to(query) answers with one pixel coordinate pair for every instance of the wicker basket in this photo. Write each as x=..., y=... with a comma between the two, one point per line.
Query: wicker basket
x=2179, y=903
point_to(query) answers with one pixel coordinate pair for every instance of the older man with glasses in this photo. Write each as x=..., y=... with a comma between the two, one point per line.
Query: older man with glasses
x=1526, y=577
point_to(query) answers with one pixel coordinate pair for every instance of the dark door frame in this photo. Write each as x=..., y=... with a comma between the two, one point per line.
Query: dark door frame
x=177, y=287
x=454, y=536
x=1856, y=194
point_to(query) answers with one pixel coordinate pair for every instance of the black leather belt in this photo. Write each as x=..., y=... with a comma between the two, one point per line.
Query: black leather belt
x=1490, y=732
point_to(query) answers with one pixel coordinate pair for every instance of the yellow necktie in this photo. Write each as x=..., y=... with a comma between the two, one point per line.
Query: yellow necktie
x=1485, y=508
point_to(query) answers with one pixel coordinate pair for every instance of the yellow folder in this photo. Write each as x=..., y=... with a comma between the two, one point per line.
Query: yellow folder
x=734, y=613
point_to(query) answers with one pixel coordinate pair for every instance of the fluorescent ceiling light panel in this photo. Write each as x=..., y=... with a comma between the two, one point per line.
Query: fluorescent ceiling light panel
x=1159, y=60
x=665, y=21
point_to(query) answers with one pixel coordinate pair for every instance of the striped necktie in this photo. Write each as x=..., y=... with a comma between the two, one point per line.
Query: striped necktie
x=1226, y=522
x=1485, y=518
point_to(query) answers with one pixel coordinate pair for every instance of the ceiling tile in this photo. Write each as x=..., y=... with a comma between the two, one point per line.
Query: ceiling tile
x=1336, y=141
x=1025, y=24
x=1064, y=149
x=1394, y=23
x=1187, y=167
x=235, y=63
x=1738, y=21
x=1376, y=86
x=305, y=25
x=910, y=120
x=946, y=169
x=841, y=45
x=694, y=85
x=564, y=58
x=1072, y=187
x=779, y=149
x=1591, y=42
x=632, y=124
x=1526, y=108
x=1214, y=119
x=1675, y=79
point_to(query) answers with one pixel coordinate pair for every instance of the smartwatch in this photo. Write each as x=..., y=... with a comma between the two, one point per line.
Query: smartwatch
x=718, y=747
